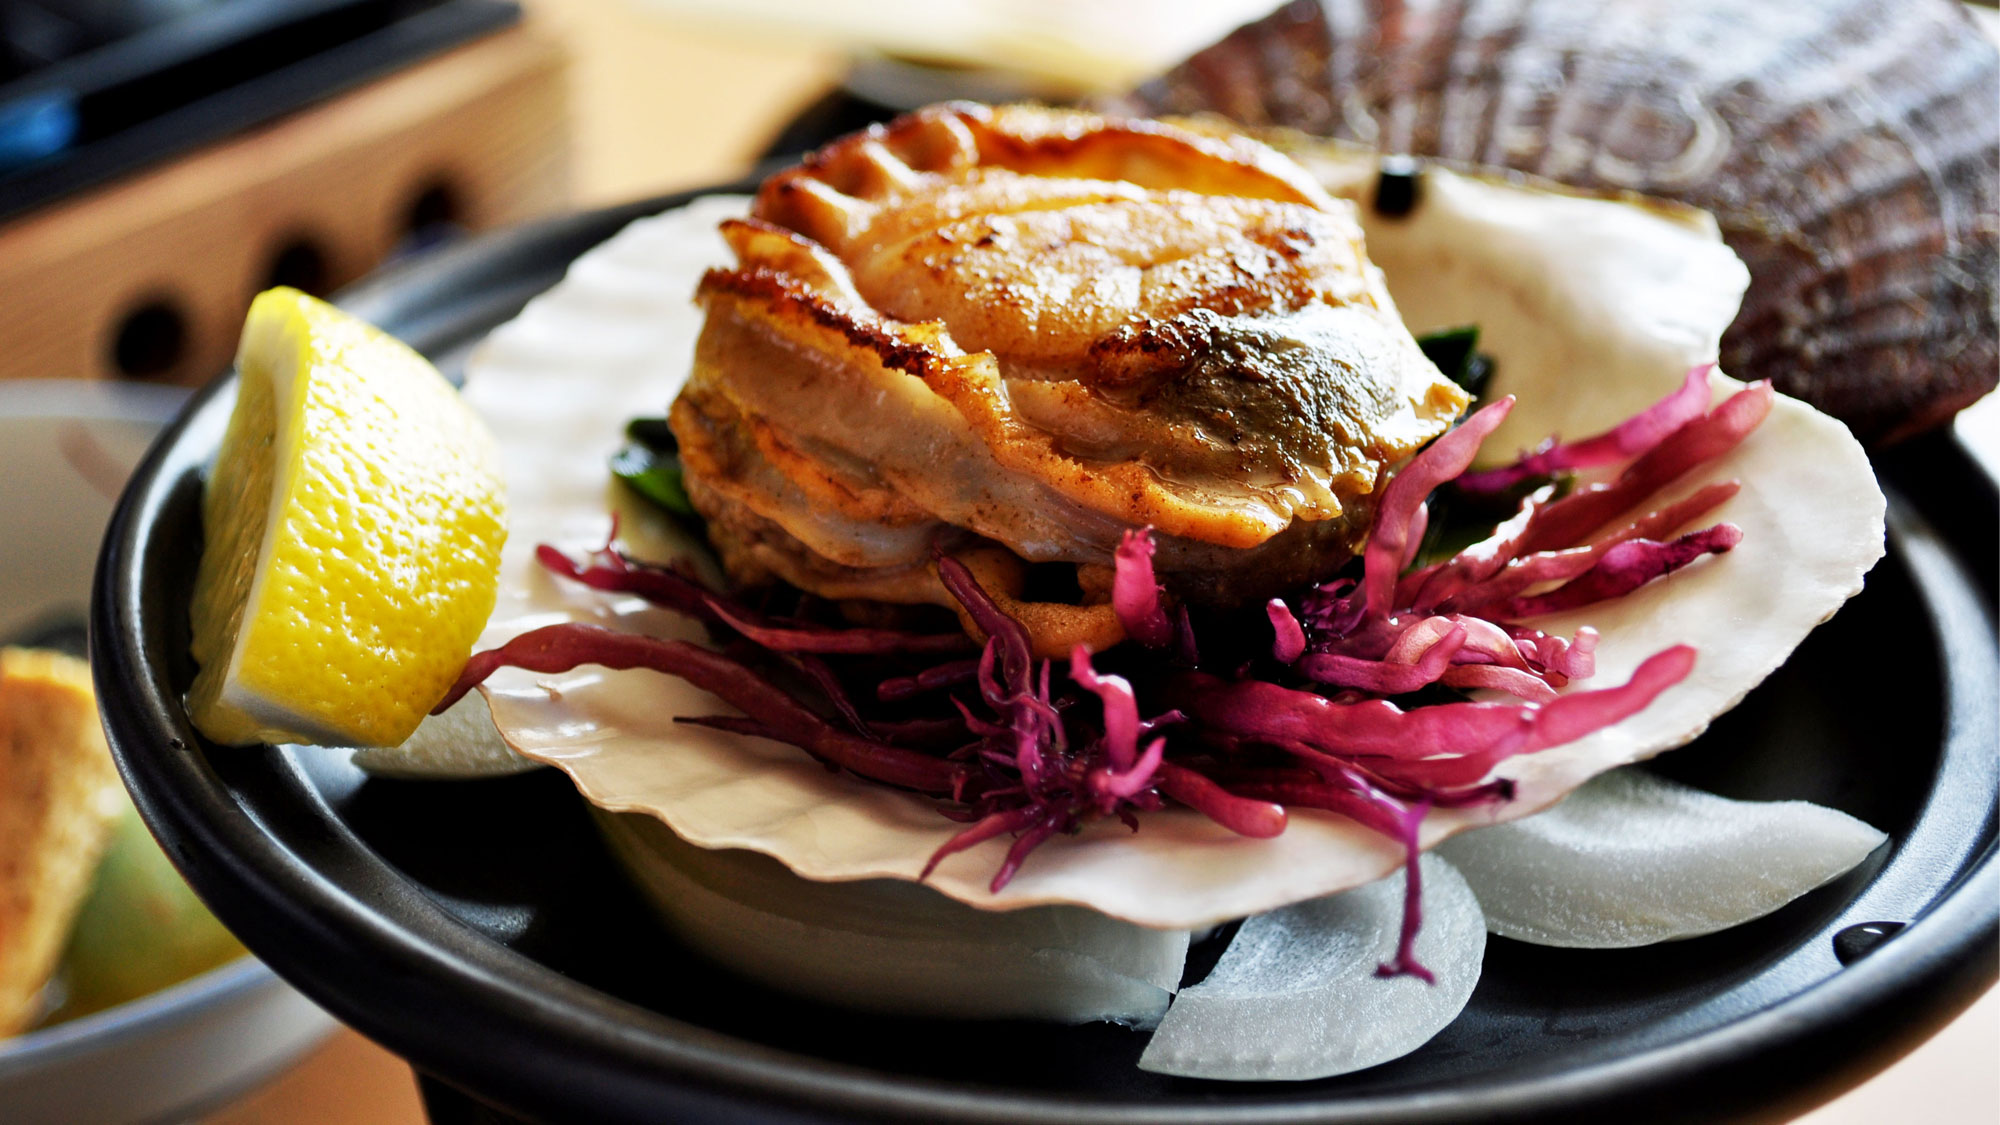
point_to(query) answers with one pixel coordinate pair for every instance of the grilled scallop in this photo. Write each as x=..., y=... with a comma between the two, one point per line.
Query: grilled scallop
x=1014, y=334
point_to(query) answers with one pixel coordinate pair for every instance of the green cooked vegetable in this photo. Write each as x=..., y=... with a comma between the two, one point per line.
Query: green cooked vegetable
x=655, y=477
x=1456, y=353
x=650, y=464
x=140, y=930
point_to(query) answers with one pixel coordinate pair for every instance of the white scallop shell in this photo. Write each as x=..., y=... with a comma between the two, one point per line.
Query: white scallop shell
x=614, y=340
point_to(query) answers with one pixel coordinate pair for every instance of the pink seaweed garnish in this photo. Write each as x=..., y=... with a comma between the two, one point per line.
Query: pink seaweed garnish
x=1014, y=748
x=1135, y=593
x=1628, y=439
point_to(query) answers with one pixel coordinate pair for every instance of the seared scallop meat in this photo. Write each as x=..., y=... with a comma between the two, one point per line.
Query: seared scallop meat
x=1014, y=334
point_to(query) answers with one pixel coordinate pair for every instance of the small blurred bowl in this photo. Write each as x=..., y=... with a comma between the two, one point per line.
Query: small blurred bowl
x=164, y=1057
x=66, y=448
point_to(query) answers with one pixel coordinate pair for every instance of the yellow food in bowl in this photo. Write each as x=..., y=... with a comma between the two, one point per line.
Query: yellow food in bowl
x=59, y=796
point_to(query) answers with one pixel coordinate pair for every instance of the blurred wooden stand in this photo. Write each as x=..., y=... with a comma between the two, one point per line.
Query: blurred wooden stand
x=149, y=276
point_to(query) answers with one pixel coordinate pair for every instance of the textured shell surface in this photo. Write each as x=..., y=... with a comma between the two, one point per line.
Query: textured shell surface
x=1849, y=150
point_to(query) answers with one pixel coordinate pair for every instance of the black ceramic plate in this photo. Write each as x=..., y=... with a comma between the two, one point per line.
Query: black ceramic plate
x=480, y=930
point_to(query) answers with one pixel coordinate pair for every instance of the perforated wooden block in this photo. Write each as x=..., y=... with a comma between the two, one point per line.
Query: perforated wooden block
x=149, y=276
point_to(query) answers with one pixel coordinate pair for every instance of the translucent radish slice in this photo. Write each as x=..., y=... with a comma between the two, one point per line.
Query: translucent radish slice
x=1296, y=995
x=886, y=945
x=461, y=743
x=1631, y=859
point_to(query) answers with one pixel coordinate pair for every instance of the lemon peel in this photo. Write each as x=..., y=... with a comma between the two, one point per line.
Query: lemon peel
x=353, y=524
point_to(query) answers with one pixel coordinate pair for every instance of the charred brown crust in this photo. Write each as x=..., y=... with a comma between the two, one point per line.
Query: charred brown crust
x=864, y=333
x=956, y=135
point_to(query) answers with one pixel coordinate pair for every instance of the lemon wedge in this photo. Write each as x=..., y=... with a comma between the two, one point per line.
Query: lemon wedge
x=352, y=532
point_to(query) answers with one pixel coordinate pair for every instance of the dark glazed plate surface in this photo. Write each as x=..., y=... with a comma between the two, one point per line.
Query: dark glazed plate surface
x=479, y=928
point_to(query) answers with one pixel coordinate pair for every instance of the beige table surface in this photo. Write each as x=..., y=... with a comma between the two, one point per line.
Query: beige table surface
x=656, y=107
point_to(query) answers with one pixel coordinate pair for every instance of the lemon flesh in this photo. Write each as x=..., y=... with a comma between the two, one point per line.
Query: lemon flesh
x=352, y=529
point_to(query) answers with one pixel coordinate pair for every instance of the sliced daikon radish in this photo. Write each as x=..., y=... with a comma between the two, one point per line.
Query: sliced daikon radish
x=1296, y=995
x=1631, y=859
x=891, y=946
x=461, y=743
